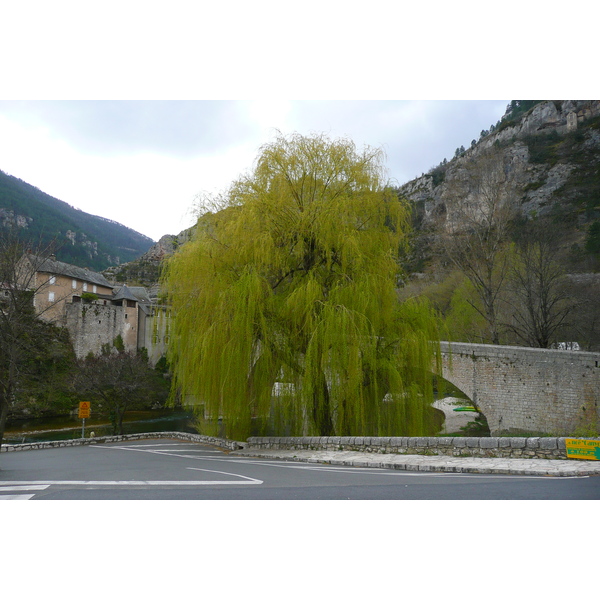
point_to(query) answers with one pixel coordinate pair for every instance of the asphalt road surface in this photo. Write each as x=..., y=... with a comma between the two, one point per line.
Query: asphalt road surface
x=177, y=470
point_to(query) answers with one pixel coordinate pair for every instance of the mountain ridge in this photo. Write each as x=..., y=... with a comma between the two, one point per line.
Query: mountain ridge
x=80, y=238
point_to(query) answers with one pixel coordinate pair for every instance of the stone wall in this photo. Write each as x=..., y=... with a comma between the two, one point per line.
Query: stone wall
x=492, y=447
x=177, y=435
x=92, y=325
x=529, y=390
x=515, y=447
x=153, y=331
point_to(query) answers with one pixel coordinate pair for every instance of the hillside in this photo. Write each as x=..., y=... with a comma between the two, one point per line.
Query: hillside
x=549, y=158
x=507, y=233
x=81, y=239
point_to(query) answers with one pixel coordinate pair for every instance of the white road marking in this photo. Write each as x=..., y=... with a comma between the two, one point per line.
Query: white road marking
x=158, y=446
x=27, y=487
x=192, y=450
x=251, y=480
x=22, y=488
x=17, y=497
x=343, y=469
x=134, y=482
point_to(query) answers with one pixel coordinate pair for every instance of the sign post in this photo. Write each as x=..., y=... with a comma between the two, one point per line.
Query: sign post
x=84, y=413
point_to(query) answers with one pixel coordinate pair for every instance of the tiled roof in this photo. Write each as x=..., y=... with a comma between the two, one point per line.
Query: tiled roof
x=125, y=294
x=140, y=293
x=55, y=267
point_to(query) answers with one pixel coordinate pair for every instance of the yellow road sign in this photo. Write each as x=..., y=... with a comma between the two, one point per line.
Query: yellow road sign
x=586, y=449
x=84, y=410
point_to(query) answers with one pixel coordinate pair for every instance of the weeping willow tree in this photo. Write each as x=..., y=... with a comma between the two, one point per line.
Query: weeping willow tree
x=286, y=317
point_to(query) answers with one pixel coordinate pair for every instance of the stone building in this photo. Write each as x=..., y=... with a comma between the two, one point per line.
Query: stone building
x=94, y=311
x=56, y=283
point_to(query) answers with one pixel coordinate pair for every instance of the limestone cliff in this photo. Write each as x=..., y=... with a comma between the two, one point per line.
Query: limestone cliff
x=549, y=157
x=146, y=269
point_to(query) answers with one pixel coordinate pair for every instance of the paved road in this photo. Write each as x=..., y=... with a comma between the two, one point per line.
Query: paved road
x=169, y=469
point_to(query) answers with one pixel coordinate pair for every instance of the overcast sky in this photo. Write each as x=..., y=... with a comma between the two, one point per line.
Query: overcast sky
x=143, y=163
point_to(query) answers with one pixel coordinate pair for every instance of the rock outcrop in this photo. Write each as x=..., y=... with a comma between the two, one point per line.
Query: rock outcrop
x=146, y=269
x=550, y=155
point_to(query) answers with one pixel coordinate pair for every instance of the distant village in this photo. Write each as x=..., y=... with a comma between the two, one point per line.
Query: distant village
x=96, y=312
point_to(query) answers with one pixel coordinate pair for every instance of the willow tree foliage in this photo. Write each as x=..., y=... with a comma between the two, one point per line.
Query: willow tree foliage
x=286, y=317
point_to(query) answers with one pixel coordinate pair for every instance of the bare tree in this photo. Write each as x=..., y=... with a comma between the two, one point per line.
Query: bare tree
x=18, y=319
x=118, y=381
x=584, y=321
x=480, y=208
x=540, y=300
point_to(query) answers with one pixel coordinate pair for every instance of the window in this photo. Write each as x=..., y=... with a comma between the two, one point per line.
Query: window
x=50, y=296
x=95, y=289
x=85, y=287
x=52, y=280
x=74, y=284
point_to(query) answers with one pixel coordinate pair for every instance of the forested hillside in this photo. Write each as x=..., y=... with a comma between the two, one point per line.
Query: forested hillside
x=80, y=238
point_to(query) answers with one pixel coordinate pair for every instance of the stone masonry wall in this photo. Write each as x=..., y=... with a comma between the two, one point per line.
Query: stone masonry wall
x=493, y=447
x=92, y=325
x=178, y=435
x=527, y=389
x=516, y=447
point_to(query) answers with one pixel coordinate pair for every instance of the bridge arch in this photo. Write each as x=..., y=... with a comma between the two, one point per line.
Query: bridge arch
x=527, y=390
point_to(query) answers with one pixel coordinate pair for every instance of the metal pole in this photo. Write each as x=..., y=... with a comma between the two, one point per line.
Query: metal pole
x=83, y=428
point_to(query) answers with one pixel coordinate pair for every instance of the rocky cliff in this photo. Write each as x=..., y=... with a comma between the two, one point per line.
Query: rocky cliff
x=145, y=270
x=549, y=158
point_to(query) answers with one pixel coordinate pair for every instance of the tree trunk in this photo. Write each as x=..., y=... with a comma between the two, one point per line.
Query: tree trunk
x=5, y=396
x=3, y=416
x=322, y=410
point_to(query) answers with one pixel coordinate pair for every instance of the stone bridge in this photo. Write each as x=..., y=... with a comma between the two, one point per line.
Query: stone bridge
x=528, y=390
